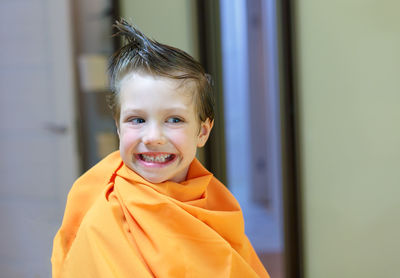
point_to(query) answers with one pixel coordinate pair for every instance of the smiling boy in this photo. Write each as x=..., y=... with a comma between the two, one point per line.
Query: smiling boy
x=151, y=209
x=158, y=127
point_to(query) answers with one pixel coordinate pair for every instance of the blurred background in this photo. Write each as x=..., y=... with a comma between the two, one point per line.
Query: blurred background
x=306, y=135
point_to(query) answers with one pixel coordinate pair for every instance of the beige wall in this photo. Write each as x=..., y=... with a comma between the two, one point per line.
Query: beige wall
x=349, y=115
x=172, y=22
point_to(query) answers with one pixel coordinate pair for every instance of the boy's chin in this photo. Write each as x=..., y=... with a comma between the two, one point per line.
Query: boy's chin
x=160, y=174
x=155, y=179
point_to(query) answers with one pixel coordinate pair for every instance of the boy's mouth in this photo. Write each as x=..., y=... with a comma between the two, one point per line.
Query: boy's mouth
x=156, y=157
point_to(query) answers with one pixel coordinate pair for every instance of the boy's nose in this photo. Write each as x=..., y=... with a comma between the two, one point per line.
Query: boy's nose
x=153, y=135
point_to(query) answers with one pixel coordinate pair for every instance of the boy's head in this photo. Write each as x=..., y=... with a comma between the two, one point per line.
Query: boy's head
x=143, y=55
x=162, y=104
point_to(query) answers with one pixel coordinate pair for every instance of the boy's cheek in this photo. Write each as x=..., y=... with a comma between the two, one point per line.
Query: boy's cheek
x=127, y=139
x=181, y=140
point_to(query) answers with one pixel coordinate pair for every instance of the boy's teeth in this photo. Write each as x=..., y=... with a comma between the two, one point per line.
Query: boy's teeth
x=158, y=158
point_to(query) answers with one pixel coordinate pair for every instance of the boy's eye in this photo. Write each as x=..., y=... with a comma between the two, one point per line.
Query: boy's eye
x=174, y=120
x=137, y=121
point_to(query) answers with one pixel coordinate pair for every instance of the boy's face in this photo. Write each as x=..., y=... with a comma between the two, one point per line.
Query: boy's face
x=159, y=129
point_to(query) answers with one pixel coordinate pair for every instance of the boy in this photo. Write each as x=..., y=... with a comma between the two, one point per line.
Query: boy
x=151, y=209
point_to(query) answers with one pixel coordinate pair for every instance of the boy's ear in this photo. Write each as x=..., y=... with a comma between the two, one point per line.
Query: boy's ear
x=117, y=125
x=205, y=130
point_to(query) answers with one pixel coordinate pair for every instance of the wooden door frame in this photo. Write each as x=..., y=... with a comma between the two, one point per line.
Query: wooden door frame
x=290, y=144
x=208, y=16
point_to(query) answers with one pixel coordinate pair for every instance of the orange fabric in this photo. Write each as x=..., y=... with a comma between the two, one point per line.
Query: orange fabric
x=117, y=224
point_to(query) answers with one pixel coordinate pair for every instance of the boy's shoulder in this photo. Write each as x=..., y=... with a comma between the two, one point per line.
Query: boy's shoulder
x=101, y=172
x=92, y=183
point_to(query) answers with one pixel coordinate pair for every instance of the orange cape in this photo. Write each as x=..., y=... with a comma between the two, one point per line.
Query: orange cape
x=117, y=224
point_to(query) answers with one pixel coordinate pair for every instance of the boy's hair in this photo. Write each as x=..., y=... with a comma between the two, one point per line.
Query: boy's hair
x=141, y=54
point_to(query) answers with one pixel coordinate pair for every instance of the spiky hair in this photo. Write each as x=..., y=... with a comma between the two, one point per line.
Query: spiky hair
x=141, y=54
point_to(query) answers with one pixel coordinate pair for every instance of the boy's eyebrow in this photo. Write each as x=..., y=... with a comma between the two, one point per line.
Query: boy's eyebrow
x=174, y=109
x=128, y=109
x=143, y=111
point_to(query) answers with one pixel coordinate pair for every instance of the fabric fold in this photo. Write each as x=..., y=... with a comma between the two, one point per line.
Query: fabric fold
x=133, y=228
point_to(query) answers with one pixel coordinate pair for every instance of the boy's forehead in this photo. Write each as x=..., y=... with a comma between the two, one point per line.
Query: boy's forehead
x=138, y=90
x=141, y=76
x=139, y=82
